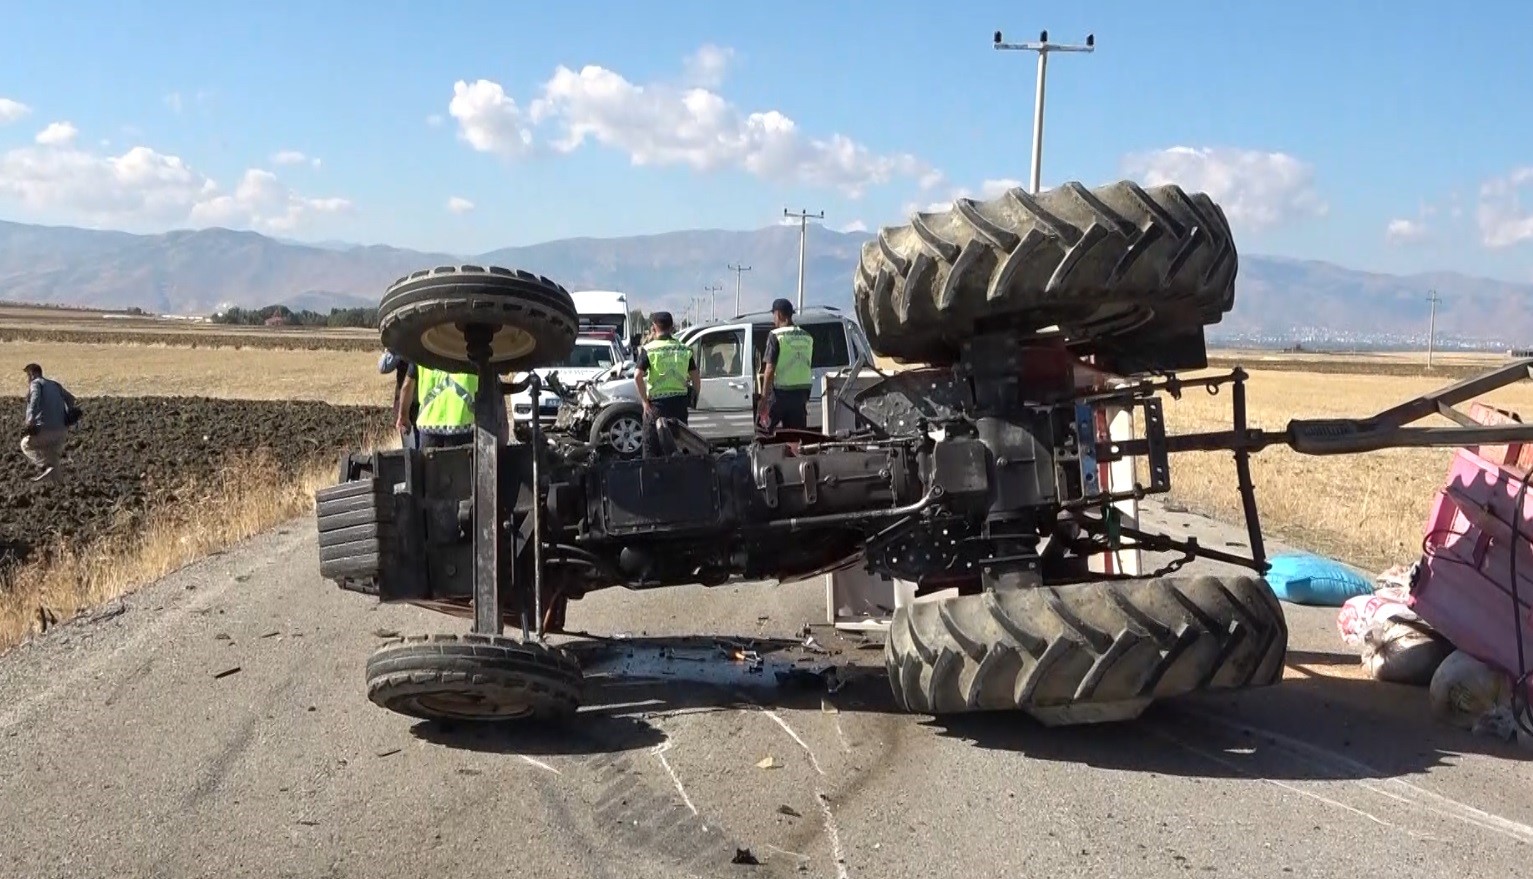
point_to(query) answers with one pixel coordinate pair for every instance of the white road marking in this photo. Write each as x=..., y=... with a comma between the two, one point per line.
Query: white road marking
x=835, y=837
x=790, y=731
x=539, y=763
x=1413, y=794
x=1213, y=757
x=659, y=752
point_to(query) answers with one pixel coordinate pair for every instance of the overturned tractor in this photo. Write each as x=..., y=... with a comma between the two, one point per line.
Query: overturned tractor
x=977, y=470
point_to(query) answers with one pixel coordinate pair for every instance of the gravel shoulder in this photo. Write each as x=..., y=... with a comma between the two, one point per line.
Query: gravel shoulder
x=215, y=725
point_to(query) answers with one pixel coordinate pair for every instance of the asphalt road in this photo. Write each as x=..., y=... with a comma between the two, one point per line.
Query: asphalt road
x=217, y=727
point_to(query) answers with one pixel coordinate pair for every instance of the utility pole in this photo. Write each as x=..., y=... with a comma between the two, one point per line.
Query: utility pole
x=1043, y=47
x=803, y=237
x=1432, y=327
x=738, y=270
x=713, y=302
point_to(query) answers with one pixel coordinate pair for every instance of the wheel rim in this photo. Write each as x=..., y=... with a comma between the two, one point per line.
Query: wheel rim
x=464, y=706
x=626, y=434
x=507, y=343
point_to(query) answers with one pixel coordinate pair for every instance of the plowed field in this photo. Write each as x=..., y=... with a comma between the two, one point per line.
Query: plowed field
x=129, y=454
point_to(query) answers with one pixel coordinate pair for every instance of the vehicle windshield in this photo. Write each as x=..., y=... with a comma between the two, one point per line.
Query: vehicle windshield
x=589, y=357
x=614, y=322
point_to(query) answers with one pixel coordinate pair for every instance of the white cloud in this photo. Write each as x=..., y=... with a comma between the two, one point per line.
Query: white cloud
x=57, y=134
x=987, y=190
x=1501, y=216
x=707, y=65
x=489, y=121
x=459, y=205
x=294, y=157
x=660, y=124
x=855, y=226
x=145, y=188
x=11, y=110
x=263, y=202
x=1403, y=231
x=1256, y=189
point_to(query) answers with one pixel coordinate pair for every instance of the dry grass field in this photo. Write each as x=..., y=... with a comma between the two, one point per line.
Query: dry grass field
x=96, y=369
x=1367, y=509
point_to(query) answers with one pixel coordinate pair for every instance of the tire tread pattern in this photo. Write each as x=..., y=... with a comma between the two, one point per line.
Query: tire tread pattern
x=447, y=295
x=1054, y=257
x=545, y=678
x=1101, y=642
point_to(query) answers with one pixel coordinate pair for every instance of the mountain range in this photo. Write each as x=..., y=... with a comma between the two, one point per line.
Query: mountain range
x=200, y=271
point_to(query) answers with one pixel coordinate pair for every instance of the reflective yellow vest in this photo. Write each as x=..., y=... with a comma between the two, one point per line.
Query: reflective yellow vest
x=795, y=354
x=667, y=372
x=446, y=399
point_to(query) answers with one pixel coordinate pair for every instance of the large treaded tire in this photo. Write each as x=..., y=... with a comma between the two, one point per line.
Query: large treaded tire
x=474, y=678
x=1087, y=652
x=1095, y=262
x=422, y=315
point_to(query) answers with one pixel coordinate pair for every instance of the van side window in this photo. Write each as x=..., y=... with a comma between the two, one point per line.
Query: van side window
x=830, y=345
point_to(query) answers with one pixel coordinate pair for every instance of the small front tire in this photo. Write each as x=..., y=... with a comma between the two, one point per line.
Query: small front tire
x=474, y=678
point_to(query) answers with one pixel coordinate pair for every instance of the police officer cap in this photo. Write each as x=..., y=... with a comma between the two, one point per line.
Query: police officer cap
x=661, y=319
x=782, y=306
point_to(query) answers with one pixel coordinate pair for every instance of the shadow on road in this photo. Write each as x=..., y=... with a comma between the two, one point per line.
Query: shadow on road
x=1324, y=721
x=585, y=734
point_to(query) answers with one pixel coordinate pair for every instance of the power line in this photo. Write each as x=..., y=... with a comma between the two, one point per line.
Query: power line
x=738, y=270
x=803, y=237
x=1043, y=47
x=1432, y=327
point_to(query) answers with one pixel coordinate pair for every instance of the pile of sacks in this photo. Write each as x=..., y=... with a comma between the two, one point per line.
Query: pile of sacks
x=1398, y=646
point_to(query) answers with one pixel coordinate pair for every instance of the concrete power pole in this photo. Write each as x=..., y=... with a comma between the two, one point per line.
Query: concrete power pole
x=738, y=270
x=1432, y=327
x=1043, y=47
x=713, y=302
x=803, y=237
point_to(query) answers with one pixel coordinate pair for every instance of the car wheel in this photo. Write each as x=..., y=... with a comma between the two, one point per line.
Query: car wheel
x=622, y=429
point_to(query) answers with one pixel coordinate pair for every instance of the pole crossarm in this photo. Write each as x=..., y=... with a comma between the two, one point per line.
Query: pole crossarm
x=1043, y=47
x=803, y=218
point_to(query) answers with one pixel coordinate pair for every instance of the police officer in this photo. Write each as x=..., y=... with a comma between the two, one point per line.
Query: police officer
x=446, y=401
x=663, y=372
x=786, y=376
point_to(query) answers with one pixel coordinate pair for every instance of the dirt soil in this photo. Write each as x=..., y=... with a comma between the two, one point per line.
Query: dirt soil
x=129, y=454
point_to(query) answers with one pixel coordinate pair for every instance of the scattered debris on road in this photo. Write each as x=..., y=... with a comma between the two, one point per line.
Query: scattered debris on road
x=226, y=672
x=768, y=762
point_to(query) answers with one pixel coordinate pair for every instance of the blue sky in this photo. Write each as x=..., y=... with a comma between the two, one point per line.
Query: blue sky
x=1320, y=126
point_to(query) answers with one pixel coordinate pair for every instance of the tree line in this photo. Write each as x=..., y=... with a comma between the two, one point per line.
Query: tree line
x=338, y=317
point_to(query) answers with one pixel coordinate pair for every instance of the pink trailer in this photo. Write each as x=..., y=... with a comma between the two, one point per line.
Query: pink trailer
x=1464, y=587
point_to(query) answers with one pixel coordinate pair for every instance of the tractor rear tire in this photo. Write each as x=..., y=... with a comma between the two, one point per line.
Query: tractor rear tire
x=423, y=315
x=1096, y=262
x=474, y=678
x=1085, y=653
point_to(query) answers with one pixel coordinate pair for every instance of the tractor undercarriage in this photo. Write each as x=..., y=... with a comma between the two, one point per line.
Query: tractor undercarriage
x=981, y=472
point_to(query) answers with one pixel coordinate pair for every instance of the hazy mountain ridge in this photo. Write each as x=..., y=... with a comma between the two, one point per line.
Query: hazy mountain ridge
x=189, y=272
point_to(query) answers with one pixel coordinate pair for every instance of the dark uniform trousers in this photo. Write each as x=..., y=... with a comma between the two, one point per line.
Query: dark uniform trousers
x=663, y=407
x=789, y=409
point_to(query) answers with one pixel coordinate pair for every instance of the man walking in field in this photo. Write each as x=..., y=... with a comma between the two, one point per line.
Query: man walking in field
x=51, y=410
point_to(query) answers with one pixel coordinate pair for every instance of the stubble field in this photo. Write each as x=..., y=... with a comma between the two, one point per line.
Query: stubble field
x=190, y=444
